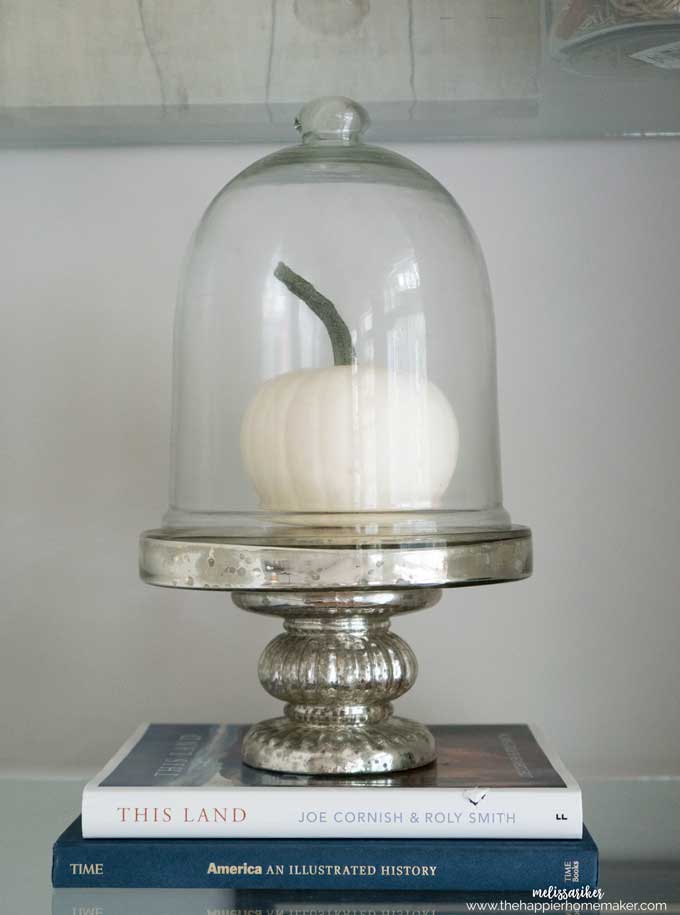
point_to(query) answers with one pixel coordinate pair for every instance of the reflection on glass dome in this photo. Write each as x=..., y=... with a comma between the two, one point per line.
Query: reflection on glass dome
x=334, y=349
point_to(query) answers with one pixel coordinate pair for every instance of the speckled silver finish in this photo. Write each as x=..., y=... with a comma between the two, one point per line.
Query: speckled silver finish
x=337, y=667
x=387, y=746
x=177, y=559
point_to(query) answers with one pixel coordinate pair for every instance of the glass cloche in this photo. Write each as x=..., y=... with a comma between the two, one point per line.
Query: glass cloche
x=335, y=453
x=334, y=361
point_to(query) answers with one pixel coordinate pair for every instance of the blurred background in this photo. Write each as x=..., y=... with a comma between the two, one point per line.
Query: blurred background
x=581, y=241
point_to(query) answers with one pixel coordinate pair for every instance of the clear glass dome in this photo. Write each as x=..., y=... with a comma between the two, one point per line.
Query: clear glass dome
x=334, y=362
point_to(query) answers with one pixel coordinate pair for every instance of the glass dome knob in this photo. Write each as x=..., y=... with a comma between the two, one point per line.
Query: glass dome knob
x=332, y=119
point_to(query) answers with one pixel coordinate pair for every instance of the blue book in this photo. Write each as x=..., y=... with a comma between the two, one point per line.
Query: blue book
x=473, y=865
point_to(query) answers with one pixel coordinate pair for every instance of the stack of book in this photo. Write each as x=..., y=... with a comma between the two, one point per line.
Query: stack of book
x=176, y=808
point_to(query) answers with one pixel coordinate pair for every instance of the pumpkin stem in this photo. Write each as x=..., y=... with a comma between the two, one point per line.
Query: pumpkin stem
x=323, y=308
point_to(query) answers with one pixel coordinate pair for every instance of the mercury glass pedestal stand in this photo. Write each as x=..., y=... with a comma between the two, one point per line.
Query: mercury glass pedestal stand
x=337, y=666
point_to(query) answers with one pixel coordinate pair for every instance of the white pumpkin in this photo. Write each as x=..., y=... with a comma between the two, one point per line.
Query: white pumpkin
x=349, y=438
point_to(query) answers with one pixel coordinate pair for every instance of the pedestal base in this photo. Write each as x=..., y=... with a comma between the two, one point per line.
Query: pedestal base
x=337, y=666
x=291, y=746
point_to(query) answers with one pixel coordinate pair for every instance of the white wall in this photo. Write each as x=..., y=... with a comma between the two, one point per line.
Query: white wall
x=582, y=246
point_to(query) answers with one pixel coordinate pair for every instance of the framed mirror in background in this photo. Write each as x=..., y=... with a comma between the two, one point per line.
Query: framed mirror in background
x=150, y=71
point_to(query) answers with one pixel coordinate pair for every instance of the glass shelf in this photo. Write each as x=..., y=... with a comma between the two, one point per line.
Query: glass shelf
x=37, y=808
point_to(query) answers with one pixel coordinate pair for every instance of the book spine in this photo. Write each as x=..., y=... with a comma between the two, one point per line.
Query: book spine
x=241, y=813
x=516, y=867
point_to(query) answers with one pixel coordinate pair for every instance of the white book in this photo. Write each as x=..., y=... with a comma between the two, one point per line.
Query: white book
x=489, y=781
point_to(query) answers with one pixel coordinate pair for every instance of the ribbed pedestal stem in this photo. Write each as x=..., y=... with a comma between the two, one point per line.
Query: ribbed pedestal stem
x=337, y=667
